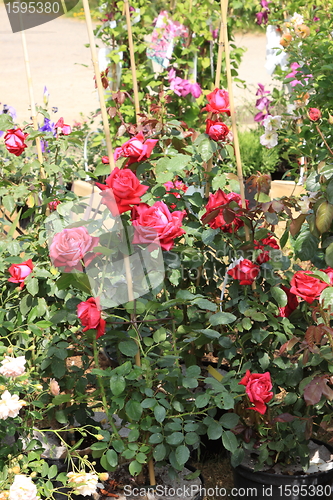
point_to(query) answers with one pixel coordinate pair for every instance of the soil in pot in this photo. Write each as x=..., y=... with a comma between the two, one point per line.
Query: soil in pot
x=316, y=485
x=166, y=488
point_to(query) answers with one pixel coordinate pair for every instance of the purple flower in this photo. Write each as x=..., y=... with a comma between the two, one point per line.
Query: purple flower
x=294, y=67
x=183, y=87
x=262, y=16
x=261, y=90
x=262, y=103
x=47, y=127
x=259, y=117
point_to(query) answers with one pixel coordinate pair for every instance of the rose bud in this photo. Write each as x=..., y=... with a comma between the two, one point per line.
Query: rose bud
x=314, y=114
x=286, y=39
x=54, y=387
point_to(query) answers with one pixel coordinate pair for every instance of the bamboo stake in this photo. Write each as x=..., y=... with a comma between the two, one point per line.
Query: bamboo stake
x=32, y=102
x=232, y=112
x=132, y=57
x=217, y=84
x=99, y=83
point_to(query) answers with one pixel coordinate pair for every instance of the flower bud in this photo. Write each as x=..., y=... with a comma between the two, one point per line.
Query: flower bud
x=286, y=39
x=314, y=114
x=99, y=437
x=330, y=119
x=16, y=469
x=104, y=476
x=54, y=387
x=33, y=474
x=20, y=457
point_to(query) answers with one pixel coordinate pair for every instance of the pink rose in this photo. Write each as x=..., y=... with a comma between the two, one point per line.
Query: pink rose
x=218, y=102
x=65, y=129
x=53, y=205
x=157, y=224
x=122, y=190
x=258, y=387
x=20, y=271
x=245, y=271
x=90, y=316
x=291, y=305
x=219, y=202
x=136, y=149
x=216, y=130
x=14, y=141
x=314, y=114
x=70, y=246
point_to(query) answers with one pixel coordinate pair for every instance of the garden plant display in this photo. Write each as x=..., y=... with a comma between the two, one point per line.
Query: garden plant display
x=170, y=264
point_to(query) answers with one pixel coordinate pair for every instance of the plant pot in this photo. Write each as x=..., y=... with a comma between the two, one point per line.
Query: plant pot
x=267, y=485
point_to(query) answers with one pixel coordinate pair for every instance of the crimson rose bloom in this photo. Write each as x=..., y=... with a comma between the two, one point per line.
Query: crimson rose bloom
x=291, y=305
x=20, y=271
x=216, y=130
x=245, y=271
x=265, y=255
x=314, y=114
x=258, y=388
x=306, y=286
x=221, y=199
x=122, y=190
x=136, y=149
x=157, y=224
x=14, y=141
x=218, y=102
x=90, y=316
x=70, y=246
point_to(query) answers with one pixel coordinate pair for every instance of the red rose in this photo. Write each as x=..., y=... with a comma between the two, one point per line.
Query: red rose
x=265, y=255
x=90, y=316
x=65, y=129
x=306, y=286
x=245, y=271
x=314, y=114
x=20, y=271
x=105, y=160
x=291, y=305
x=170, y=185
x=157, y=224
x=122, y=190
x=14, y=141
x=136, y=149
x=70, y=246
x=216, y=130
x=221, y=200
x=53, y=205
x=218, y=102
x=258, y=388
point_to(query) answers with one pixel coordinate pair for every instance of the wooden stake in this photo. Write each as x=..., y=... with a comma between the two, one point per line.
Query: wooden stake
x=32, y=102
x=131, y=49
x=232, y=111
x=100, y=89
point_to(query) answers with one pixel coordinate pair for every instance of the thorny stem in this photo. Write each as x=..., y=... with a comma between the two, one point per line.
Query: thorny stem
x=323, y=138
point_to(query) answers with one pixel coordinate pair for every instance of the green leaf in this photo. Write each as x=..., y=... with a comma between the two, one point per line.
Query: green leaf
x=326, y=297
x=160, y=413
x=117, y=384
x=214, y=430
x=8, y=202
x=53, y=471
x=99, y=446
x=6, y=122
x=133, y=410
x=159, y=335
x=206, y=149
x=222, y=318
x=128, y=347
x=61, y=398
x=135, y=468
x=229, y=420
x=61, y=417
x=237, y=457
x=229, y=441
x=329, y=255
x=141, y=458
x=182, y=454
x=205, y=304
x=25, y=304
x=306, y=246
x=208, y=235
x=133, y=435
x=178, y=162
x=175, y=439
x=324, y=216
x=159, y=452
x=280, y=296
x=155, y=438
x=202, y=400
x=112, y=458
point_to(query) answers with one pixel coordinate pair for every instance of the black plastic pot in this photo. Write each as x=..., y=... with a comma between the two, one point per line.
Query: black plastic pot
x=265, y=485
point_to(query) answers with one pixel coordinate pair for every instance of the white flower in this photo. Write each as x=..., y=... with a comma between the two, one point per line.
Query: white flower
x=10, y=405
x=84, y=483
x=272, y=123
x=23, y=488
x=297, y=19
x=269, y=139
x=54, y=387
x=12, y=367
